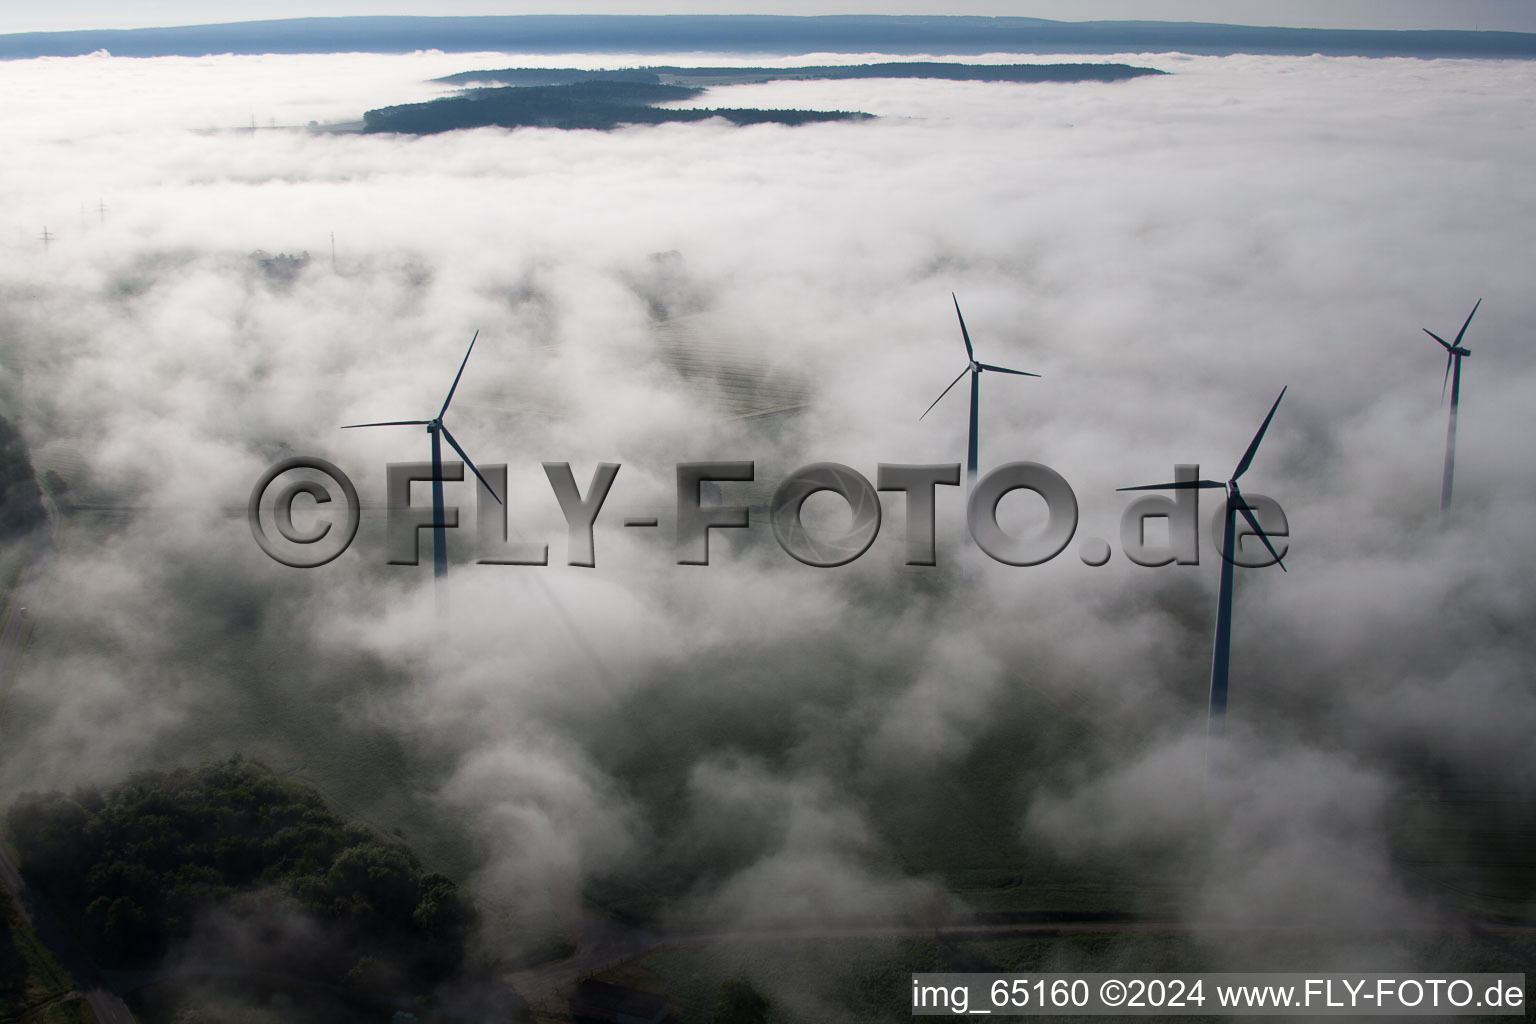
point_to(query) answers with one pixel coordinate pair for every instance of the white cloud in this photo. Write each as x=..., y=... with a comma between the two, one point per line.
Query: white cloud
x=1167, y=251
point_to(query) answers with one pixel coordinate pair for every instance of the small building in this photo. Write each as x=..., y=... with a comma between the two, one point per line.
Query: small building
x=595, y=1002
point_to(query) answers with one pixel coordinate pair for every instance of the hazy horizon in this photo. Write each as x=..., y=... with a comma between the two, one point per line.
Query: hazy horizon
x=1483, y=15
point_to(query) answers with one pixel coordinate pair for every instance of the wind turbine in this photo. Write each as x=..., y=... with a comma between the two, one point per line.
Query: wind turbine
x=975, y=369
x=1453, y=354
x=1221, y=653
x=439, y=430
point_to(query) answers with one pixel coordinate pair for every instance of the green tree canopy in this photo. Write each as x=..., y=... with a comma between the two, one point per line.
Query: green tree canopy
x=145, y=865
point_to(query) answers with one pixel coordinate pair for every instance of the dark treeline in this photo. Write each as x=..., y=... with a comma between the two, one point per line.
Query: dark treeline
x=232, y=863
x=673, y=75
x=600, y=104
x=13, y=966
x=20, y=505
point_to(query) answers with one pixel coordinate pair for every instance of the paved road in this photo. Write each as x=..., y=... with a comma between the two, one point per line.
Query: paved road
x=107, y=1006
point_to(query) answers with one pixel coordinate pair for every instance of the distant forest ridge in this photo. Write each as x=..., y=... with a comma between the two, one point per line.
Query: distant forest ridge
x=600, y=105
x=770, y=34
x=606, y=98
x=704, y=76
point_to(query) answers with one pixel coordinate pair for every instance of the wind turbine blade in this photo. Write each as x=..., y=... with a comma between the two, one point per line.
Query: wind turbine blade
x=1469, y=320
x=1253, y=446
x=946, y=391
x=1179, y=485
x=456, y=378
x=1437, y=337
x=1447, y=378
x=969, y=353
x=389, y=423
x=470, y=464
x=1254, y=523
x=1004, y=369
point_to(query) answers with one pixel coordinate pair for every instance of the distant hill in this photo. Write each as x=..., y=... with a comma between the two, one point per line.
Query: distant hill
x=756, y=34
x=705, y=76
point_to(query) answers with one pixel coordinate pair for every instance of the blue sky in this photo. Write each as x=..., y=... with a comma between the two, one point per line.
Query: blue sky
x=1516, y=15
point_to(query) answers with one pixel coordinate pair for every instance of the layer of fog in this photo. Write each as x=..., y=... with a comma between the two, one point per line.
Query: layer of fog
x=761, y=741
